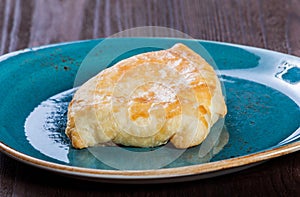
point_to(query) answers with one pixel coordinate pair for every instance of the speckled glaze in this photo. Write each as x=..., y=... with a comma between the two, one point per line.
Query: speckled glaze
x=262, y=95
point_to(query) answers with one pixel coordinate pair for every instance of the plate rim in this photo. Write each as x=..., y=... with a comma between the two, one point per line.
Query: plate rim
x=176, y=172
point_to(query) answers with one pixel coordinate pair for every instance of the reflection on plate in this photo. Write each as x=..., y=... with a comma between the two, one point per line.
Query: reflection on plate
x=262, y=95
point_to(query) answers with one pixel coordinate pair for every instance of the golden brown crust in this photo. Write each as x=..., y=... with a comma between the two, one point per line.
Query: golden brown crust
x=147, y=100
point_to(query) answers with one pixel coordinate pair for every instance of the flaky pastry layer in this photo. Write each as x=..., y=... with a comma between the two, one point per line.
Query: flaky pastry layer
x=147, y=100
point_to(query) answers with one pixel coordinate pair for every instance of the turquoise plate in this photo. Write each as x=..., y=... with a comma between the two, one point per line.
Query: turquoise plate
x=262, y=94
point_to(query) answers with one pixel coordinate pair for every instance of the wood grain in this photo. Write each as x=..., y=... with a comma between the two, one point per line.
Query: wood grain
x=272, y=24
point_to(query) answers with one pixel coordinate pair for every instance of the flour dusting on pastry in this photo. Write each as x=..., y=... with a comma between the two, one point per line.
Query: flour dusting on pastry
x=147, y=100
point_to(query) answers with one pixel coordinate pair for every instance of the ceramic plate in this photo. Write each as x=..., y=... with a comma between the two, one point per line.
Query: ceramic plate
x=262, y=91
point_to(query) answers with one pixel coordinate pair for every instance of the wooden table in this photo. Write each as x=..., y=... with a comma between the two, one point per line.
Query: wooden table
x=272, y=24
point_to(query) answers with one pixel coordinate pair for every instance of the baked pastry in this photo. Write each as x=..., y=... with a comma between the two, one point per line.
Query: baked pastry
x=147, y=100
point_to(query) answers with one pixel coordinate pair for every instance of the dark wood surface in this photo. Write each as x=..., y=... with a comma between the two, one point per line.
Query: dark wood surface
x=272, y=24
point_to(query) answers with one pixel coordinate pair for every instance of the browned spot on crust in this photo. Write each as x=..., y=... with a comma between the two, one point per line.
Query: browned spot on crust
x=202, y=109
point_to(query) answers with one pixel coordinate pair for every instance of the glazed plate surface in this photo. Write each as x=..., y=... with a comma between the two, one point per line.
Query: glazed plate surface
x=262, y=91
